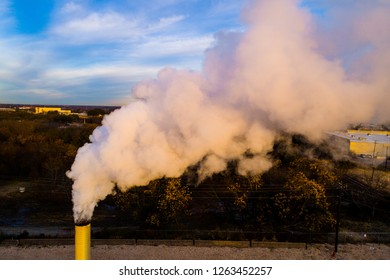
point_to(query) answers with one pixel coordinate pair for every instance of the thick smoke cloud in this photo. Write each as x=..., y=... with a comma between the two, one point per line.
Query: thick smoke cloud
x=289, y=71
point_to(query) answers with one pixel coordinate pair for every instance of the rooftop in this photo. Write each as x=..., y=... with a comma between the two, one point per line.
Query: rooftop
x=364, y=136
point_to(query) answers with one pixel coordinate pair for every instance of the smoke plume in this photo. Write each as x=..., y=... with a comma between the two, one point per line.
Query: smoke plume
x=292, y=70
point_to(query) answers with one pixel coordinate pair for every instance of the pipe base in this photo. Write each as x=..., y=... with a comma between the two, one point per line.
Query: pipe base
x=83, y=242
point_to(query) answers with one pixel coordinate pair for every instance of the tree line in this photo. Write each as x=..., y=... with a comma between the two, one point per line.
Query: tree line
x=299, y=193
x=40, y=146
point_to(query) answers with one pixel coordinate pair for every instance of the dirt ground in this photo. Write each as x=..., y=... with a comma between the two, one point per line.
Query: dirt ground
x=139, y=252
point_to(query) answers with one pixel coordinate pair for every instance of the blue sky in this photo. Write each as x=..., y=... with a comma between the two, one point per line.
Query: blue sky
x=94, y=51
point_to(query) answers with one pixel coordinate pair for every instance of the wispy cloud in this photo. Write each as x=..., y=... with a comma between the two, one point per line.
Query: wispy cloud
x=89, y=48
x=173, y=45
x=6, y=21
x=77, y=25
x=76, y=76
x=165, y=22
x=97, y=27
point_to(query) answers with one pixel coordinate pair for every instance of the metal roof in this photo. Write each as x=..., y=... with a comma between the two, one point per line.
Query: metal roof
x=371, y=137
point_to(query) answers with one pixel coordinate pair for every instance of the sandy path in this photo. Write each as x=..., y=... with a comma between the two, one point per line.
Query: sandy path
x=131, y=252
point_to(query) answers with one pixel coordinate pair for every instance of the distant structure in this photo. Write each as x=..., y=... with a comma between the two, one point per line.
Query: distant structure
x=25, y=108
x=45, y=110
x=364, y=143
x=7, y=109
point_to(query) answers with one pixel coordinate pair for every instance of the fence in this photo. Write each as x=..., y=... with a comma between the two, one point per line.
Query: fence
x=200, y=238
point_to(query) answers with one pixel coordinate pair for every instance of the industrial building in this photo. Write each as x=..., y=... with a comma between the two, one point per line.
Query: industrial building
x=364, y=143
x=45, y=110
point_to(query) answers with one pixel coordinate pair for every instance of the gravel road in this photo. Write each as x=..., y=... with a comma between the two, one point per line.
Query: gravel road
x=140, y=252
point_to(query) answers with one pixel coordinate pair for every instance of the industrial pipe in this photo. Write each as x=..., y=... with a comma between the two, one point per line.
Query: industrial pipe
x=83, y=241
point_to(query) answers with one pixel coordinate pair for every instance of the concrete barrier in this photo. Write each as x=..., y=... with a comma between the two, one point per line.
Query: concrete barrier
x=59, y=242
x=277, y=244
x=113, y=242
x=45, y=242
x=222, y=243
x=158, y=242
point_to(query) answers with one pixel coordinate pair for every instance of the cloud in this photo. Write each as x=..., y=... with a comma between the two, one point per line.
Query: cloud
x=6, y=20
x=165, y=22
x=173, y=45
x=76, y=76
x=40, y=92
x=18, y=64
x=223, y=8
x=71, y=8
x=88, y=47
x=96, y=28
x=78, y=25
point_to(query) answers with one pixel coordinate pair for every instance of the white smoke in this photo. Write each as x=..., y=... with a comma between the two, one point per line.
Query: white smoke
x=278, y=75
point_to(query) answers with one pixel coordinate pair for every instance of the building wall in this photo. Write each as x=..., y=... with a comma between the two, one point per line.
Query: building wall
x=44, y=110
x=362, y=142
x=340, y=146
x=66, y=112
x=367, y=148
x=361, y=148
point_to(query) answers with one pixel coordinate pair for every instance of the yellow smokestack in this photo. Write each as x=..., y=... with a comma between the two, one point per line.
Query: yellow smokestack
x=82, y=242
